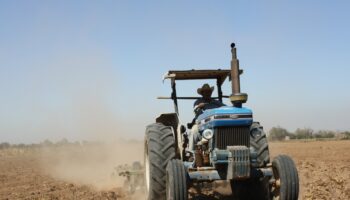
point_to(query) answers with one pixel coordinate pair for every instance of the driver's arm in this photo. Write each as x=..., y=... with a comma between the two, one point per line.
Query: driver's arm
x=198, y=107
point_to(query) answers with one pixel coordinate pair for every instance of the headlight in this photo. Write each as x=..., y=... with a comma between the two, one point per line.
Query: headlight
x=256, y=133
x=208, y=134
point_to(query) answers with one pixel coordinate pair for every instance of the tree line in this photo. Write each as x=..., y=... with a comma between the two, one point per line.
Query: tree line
x=48, y=143
x=64, y=143
x=278, y=134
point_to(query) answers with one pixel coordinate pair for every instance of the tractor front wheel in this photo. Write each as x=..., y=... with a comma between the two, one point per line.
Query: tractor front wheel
x=286, y=180
x=176, y=187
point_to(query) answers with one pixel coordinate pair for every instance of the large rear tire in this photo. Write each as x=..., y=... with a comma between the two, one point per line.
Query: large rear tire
x=285, y=173
x=159, y=149
x=259, y=142
x=176, y=187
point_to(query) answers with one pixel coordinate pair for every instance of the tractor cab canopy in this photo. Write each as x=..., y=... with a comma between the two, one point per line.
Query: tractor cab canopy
x=219, y=74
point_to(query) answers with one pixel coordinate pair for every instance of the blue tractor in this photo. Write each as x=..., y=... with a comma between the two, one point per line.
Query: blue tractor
x=231, y=149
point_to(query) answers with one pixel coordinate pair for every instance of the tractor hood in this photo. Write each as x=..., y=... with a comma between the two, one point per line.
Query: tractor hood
x=225, y=116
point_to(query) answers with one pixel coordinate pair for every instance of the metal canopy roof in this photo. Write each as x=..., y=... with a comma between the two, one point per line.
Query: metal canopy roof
x=219, y=74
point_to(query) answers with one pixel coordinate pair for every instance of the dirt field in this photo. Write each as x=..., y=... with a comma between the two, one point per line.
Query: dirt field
x=324, y=169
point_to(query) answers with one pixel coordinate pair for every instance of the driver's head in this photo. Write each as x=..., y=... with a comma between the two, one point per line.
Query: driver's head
x=205, y=91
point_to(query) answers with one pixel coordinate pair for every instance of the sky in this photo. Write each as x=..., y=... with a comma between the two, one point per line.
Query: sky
x=93, y=69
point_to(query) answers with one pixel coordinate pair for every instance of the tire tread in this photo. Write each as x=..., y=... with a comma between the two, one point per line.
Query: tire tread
x=160, y=146
x=260, y=144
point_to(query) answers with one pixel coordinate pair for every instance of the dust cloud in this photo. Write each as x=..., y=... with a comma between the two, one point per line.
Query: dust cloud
x=76, y=97
x=91, y=164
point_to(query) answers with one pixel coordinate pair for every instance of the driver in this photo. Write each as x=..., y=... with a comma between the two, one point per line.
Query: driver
x=204, y=103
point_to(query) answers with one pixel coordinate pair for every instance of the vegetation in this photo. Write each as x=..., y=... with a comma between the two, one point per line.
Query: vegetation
x=61, y=143
x=278, y=133
x=46, y=143
x=5, y=145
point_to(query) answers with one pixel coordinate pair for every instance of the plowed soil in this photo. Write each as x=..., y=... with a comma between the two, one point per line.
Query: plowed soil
x=323, y=166
x=324, y=170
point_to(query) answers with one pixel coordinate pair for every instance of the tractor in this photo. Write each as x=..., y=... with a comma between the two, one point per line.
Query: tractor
x=231, y=148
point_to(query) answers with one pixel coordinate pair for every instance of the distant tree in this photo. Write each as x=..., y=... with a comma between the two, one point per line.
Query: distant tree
x=5, y=145
x=33, y=145
x=278, y=133
x=304, y=133
x=324, y=134
x=62, y=142
x=47, y=143
x=345, y=135
x=21, y=145
x=292, y=136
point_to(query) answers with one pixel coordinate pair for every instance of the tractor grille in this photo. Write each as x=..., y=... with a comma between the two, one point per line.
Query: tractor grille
x=231, y=136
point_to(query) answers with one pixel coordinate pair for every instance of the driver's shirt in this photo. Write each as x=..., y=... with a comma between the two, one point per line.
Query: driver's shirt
x=209, y=105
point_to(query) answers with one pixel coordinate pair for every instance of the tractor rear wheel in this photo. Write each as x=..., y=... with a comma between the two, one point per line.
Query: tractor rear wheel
x=159, y=149
x=259, y=142
x=176, y=187
x=286, y=185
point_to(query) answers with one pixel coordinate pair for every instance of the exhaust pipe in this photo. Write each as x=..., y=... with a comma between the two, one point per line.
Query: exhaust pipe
x=237, y=98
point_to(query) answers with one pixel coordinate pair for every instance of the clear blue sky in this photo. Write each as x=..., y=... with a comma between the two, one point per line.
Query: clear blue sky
x=90, y=69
